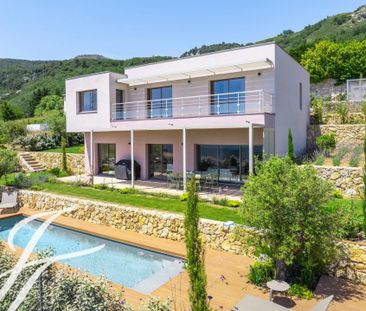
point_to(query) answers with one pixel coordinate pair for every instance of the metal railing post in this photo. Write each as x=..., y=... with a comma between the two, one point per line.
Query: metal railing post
x=238, y=104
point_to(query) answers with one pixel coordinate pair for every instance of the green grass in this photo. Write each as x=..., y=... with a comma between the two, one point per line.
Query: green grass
x=73, y=149
x=149, y=201
x=336, y=204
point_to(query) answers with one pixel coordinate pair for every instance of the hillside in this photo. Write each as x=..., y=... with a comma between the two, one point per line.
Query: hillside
x=337, y=28
x=20, y=78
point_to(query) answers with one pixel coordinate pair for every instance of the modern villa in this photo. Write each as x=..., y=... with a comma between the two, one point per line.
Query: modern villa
x=211, y=113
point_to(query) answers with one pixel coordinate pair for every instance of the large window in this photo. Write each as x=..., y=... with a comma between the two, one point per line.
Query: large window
x=160, y=160
x=119, y=108
x=88, y=101
x=229, y=163
x=228, y=96
x=160, y=102
x=106, y=158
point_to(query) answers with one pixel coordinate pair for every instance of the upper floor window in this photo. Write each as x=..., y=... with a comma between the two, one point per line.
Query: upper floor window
x=160, y=102
x=119, y=96
x=300, y=95
x=88, y=101
x=228, y=96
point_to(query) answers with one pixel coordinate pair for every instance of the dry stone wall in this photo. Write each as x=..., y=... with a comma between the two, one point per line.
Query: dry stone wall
x=346, y=134
x=344, y=178
x=352, y=266
x=154, y=223
x=49, y=160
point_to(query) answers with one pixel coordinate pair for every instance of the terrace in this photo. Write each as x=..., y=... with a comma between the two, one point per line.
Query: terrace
x=234, y=103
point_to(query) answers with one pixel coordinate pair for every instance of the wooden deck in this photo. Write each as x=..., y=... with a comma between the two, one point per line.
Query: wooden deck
x=226, y=272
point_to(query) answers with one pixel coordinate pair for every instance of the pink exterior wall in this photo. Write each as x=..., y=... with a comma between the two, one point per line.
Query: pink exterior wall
x=174, y=137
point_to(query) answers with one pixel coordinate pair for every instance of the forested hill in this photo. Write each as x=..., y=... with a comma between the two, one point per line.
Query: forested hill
x=337, y=28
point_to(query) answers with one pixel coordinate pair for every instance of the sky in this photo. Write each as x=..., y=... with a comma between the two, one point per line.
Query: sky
x=62, y=29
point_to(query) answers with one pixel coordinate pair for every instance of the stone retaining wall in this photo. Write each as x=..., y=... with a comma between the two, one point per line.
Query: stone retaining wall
x=49, y=160
x=343, y=178
x=353, y=265
x=149, y=222
x=346, y=134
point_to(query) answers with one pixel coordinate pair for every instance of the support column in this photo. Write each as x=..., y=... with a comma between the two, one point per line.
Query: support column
x=91, y=162
x=132, y=160
x=184, y=160
x=251, y=165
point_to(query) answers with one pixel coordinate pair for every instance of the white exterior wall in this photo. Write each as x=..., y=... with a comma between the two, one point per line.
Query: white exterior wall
x=288, y=75
x=105, y=84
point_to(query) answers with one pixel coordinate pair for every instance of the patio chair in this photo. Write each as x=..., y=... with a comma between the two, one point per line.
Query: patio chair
x=8, y=201
x=251, y=303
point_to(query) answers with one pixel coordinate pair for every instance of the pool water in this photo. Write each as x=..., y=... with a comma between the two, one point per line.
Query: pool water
x=130, y=266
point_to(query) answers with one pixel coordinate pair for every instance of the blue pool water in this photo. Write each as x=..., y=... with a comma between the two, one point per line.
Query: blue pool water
x=130, y=266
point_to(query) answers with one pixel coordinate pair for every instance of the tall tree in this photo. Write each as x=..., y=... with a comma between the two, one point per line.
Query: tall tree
x=290, y=146
x=195, y=262
x=7, y=112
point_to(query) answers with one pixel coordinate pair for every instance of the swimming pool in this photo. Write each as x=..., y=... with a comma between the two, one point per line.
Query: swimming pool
x=137, y=268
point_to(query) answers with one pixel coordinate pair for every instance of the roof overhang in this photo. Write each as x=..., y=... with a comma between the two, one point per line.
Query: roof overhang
x=205, y=72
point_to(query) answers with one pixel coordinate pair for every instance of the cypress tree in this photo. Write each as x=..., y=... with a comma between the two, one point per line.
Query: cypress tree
x=195, y=252
x=290, y=146
x=64, y=156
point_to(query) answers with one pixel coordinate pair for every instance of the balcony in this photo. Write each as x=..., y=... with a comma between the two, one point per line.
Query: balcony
x=239, y=103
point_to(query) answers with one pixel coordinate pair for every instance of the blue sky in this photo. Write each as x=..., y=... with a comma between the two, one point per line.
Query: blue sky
x=61, y=29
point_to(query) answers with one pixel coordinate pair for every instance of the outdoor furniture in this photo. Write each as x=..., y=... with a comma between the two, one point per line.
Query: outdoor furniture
x=278, y=286
x=8, y=202
x=251, y=303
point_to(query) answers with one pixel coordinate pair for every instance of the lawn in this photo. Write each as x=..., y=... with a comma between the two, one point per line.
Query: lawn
x=166, y=203
x=73, y=149
x=149, y=201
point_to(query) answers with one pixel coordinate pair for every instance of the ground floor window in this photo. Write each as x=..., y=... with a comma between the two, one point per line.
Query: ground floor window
x=229, y=163
x=106, y=158
x=160, y=160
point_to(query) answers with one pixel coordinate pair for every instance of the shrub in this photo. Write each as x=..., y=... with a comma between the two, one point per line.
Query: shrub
x=261, y=272
x=290, y=146
x=58, y=172
x=36, y=187
x=326, y=142
x=286, y=202
x=49, y=103
x=354, y=161
x=343, y=112
x=155, y=304
x=317, y=106
x=101, y=186
x=233, y=203
x=22, y=181
x=8, y=162
x=337, y=194
x=219, y=200
x=127, y=190
x=319, y=159
x=300, y=291
x=341, y=152
x=38, y=142
x=184, y=197
x=82, y=149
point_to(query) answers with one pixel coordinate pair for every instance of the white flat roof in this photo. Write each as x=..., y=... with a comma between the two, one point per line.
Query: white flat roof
x=231, y=67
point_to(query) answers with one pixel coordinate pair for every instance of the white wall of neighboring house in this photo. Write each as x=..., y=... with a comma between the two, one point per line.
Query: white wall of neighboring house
x=288, y=75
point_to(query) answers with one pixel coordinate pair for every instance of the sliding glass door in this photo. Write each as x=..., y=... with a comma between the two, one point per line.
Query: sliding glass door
x=228, y=96
x=160, y=104
x=160, y=160
x=230, y=163
x=106, y=158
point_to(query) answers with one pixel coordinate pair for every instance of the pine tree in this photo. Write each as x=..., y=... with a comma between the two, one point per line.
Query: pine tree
x=195, y=263
x=290, y=146
x=7, y=112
